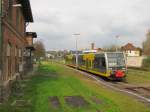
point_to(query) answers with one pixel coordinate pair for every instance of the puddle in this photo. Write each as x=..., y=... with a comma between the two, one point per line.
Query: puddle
x=54, y=102
x=76, y=101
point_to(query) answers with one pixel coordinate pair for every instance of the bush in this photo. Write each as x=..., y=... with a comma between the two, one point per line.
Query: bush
x=146, y=63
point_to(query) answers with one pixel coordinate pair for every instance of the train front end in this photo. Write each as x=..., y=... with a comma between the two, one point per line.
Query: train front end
x=116, y=65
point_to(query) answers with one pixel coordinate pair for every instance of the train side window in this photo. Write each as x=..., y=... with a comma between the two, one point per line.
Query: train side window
x=96, y=62
x=74, y=60
x=80, y=60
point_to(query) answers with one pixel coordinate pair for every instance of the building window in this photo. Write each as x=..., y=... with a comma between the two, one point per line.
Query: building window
x=8, y=49
x=8, y=61
x=20, y=53
x=17, y=19
x=16, y=59
x=10, y=9
x=20, y=57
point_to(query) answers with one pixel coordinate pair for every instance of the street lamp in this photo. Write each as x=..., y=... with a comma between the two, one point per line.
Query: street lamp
x=117, y=37
x=76, y=36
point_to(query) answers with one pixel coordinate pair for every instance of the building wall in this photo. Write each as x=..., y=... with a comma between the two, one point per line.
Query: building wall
x=12, y=53
x=14, y=36
x=13, y=45
x=14, y=15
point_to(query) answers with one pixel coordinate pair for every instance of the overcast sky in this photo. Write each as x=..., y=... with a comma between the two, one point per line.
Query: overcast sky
x=98, y=21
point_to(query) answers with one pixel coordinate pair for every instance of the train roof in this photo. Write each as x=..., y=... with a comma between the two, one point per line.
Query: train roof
x=99, y=53
x=96, y=53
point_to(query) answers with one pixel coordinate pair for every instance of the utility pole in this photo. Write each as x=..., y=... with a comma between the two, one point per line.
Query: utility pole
x=117, y=37
x=76, y=44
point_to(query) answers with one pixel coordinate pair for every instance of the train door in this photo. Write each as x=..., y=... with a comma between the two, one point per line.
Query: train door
x=81, y=62
x=88, y=64
x=90, y=59
x=100, y=63
x=74, y=60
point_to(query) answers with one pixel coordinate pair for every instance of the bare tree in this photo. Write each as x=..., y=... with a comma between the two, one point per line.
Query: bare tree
x=111, y=48
x=146, y=45
x=39, y=49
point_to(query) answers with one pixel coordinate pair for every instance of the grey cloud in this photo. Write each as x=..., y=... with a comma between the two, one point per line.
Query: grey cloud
x=98, y=21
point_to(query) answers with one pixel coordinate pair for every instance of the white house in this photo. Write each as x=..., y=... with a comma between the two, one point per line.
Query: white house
x=131, y=50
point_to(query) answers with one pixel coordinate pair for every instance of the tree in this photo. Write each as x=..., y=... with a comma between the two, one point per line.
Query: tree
x=111, y=48
x=39, y=50
x=146, y=45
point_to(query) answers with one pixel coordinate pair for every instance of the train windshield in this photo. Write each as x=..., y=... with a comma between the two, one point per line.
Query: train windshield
x=116, y=59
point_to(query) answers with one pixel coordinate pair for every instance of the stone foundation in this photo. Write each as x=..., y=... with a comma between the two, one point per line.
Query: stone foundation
x=4, y=91
x=6, y=88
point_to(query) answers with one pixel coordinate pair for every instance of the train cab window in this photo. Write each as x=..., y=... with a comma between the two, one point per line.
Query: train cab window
x=116, y=59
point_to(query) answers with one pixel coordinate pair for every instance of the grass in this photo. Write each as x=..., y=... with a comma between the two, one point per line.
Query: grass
x=56, y=80
x=65, y=85
x=138, y=77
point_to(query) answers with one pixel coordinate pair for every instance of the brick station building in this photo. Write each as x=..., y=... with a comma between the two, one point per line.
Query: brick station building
x=15, y=16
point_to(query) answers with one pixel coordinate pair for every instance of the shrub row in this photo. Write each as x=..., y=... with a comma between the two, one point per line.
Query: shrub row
x=146, y=63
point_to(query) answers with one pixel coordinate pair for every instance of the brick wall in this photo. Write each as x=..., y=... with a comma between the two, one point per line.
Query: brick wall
x=13, y=34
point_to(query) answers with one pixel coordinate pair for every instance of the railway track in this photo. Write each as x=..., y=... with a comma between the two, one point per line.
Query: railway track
x=140, y=93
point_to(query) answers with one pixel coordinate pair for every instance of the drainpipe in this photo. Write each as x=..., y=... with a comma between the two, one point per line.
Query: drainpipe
x=0, y=39
x=1, y=52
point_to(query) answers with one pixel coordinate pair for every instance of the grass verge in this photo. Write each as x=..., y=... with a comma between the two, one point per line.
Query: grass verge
x=138, y=77
x=56, y=80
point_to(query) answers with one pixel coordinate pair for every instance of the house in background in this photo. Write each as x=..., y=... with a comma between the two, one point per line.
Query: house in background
x=15, y=15
x=100, y=50
x=131, y=50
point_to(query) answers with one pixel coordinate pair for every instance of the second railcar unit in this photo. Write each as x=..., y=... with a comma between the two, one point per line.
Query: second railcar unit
x=107, y=64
